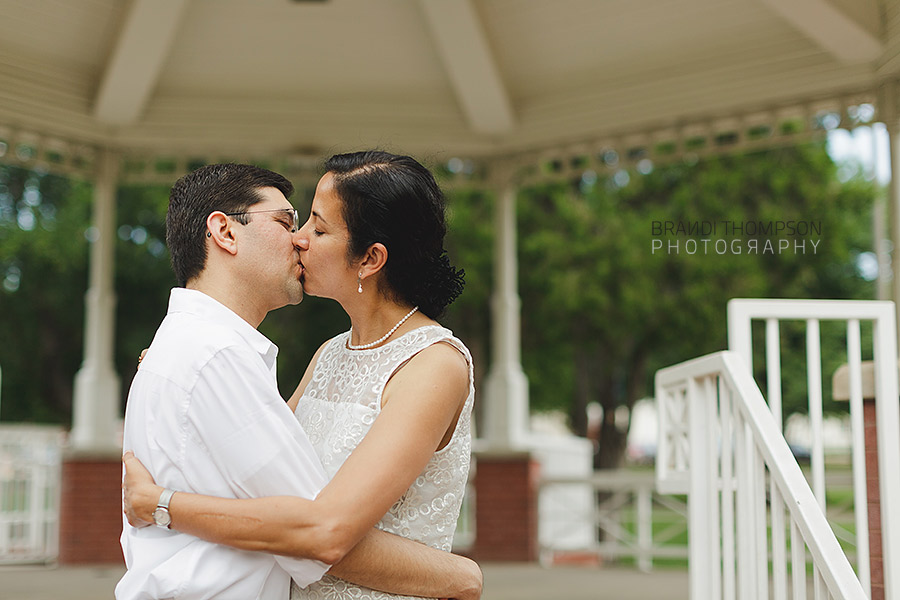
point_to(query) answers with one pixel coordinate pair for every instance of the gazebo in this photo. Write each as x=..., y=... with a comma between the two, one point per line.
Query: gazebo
x=495, y=89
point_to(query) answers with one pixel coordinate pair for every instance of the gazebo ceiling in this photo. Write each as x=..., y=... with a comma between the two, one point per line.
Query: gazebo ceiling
x=438, y=78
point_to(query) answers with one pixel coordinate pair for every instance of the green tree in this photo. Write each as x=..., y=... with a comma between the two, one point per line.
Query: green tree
x=602, y=311
x=43, y=268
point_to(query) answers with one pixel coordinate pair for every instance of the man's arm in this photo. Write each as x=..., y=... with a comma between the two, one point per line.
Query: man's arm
x=400, y=566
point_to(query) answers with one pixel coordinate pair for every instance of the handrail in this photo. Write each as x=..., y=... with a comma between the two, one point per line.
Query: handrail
x=729, y=444
x=741, y=313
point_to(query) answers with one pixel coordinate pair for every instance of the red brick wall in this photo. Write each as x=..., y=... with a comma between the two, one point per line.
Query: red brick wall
x=90, y=520
x=506, y=508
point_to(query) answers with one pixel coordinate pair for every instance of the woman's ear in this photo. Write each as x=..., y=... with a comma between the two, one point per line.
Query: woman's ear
x=374, y=260
x=219, y=230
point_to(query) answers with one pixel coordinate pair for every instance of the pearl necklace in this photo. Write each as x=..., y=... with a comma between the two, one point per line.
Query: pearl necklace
x=386, y=336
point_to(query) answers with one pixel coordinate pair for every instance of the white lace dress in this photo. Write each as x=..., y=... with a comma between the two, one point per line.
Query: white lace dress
x=337, y=409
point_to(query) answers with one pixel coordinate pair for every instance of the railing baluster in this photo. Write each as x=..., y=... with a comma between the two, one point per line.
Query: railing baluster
x=814, y=386
x=779, y=549
x=726, y=416
x=644, y=501
x=820, y=591
x=711, y=391
x=762, y=546
x=773, y=370
x=798, y=563
x=746, y=526
x=858, y=449
x=5, y=488
x=34, y=517
x=701, y=462
x=678, y=449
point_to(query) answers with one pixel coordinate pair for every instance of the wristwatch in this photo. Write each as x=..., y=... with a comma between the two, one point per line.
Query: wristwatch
x=161, y=515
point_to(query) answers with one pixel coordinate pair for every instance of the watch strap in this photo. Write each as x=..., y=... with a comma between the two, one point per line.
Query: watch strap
x=165, y=498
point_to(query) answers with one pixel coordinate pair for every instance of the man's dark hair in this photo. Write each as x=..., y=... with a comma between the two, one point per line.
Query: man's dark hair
x=228, y=188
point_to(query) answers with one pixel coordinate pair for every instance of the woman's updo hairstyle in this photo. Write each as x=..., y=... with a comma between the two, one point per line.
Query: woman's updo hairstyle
x=394, y=200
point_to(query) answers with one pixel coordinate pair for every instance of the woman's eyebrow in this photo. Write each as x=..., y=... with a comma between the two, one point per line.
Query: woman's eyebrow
x=318, y=216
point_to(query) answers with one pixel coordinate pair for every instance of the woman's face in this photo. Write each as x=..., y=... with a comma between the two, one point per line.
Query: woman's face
x=323, y=243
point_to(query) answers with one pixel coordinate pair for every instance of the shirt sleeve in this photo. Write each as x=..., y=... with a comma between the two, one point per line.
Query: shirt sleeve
x=241, y=421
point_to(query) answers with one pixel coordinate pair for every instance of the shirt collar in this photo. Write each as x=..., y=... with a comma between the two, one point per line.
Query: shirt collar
x=197, y=303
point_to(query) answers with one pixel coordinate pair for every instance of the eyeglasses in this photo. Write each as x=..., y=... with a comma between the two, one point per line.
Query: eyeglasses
x=295, y=215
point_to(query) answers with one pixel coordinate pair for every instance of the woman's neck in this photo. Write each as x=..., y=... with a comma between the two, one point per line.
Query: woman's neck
x=373, y=321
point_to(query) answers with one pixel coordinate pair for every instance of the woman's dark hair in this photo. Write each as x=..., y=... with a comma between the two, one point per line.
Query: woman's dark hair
x=394, y=200
x=230, y=188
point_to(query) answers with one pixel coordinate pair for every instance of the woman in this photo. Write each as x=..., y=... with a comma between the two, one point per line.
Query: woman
x=386, y=404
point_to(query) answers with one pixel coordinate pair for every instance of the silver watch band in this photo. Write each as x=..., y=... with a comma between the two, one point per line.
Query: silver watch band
x=165, y=498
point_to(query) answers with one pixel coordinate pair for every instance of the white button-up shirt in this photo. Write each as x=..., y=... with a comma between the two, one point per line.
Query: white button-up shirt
x=204, y=415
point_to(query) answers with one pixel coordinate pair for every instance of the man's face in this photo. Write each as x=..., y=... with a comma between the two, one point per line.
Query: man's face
x=269, y=260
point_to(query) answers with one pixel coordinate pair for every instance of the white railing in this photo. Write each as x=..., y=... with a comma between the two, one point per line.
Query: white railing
x=636, y=522
x=30, y=459
x=623, y=519
x=720, y=443
x=742, y=313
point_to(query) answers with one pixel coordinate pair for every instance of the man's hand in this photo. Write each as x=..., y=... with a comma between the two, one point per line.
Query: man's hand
x=140, y=493
x=476, y=582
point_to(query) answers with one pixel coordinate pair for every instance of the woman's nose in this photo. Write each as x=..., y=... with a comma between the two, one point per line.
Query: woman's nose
x=301, y=240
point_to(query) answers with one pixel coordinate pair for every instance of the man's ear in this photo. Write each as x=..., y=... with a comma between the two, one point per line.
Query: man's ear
x=220, y=230
x=374, y=260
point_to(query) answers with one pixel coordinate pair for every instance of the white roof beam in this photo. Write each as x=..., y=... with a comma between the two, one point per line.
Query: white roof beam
x=467, y=58
x=134, y=65
x=830, y=28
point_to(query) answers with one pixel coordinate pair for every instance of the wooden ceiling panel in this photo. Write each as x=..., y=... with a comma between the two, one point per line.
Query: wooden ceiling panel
x=288, y=75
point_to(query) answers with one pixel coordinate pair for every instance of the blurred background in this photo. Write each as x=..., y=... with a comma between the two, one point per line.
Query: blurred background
x=597, y=157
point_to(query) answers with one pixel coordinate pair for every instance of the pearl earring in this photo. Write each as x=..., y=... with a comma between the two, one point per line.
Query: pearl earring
x=359, y=282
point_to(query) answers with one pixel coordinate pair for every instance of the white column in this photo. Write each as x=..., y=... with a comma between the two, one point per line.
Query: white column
x=506, y=411
x=893, y=130
x=879, y=216
x=95, y=410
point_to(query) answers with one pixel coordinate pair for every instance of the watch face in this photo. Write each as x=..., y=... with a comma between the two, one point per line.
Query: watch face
x=162, y=517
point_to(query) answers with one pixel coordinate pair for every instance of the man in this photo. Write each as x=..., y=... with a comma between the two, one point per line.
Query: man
x=204, y=413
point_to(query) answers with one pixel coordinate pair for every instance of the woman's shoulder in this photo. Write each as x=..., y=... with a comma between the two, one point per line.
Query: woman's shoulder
x=438, y=350
x=436, y=336
x=336, y=342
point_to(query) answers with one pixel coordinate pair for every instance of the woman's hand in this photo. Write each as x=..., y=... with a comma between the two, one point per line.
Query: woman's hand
x=140, y=493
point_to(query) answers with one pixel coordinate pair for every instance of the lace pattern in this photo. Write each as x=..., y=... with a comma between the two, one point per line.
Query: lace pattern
x=338, y=408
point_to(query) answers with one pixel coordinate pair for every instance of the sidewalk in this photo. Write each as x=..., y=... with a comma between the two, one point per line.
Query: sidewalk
x=501, y=582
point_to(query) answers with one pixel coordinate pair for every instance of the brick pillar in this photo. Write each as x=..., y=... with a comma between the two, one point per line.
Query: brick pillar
x=873, y=493
x=506, y=497
x=90, y=519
